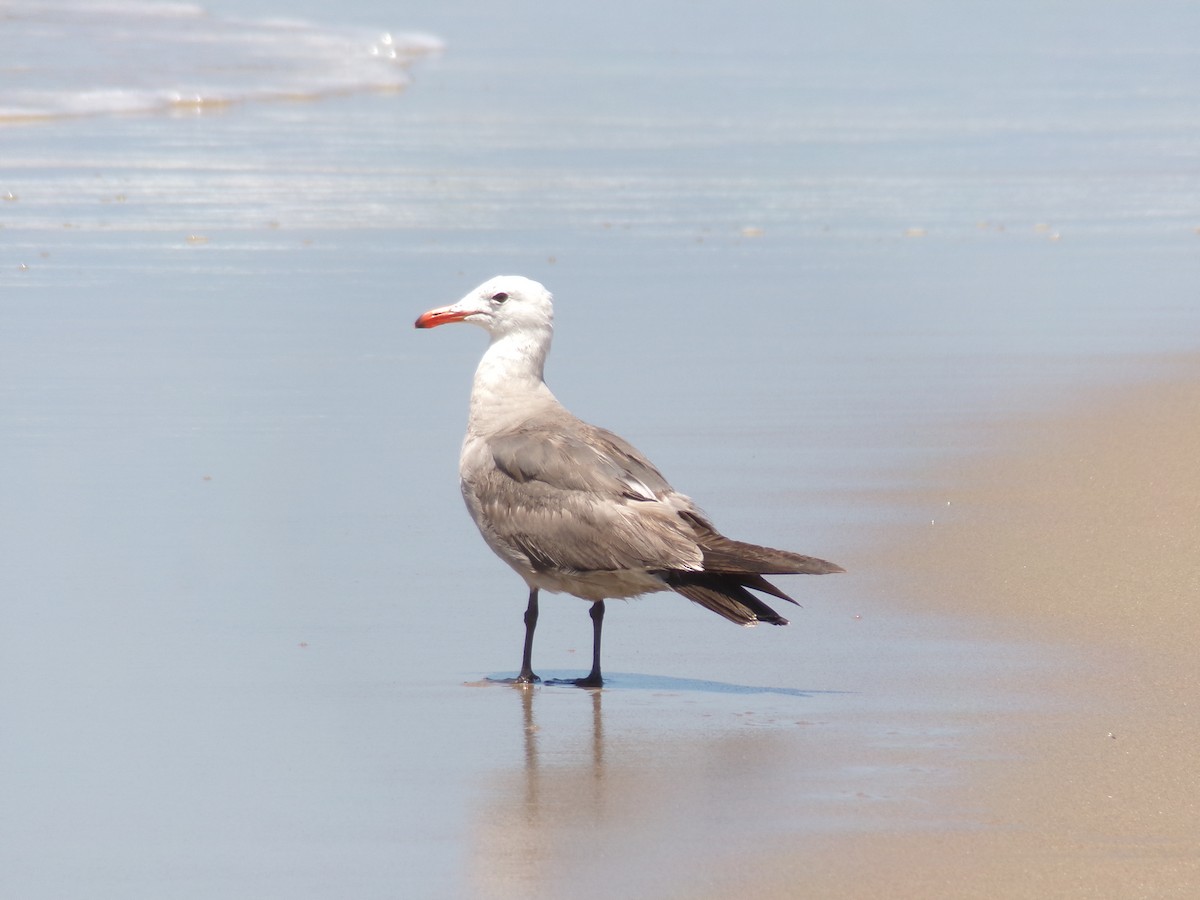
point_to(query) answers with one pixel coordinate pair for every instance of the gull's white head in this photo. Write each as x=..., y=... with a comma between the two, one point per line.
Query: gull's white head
x=506, y=304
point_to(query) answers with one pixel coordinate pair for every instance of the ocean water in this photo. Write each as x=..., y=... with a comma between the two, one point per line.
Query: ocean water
x=67, y=59
x=793, y=252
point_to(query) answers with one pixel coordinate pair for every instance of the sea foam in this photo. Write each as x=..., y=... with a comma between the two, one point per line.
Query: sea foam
x=127, y=56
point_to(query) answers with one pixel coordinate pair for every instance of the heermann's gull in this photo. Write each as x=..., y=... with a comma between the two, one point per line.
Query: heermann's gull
x=574, y=508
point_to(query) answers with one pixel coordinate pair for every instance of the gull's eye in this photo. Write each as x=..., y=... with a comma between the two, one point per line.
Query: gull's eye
x=500, y=297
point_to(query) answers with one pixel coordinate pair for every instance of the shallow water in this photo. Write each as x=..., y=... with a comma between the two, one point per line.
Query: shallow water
x=68, y=59
x=245, y=608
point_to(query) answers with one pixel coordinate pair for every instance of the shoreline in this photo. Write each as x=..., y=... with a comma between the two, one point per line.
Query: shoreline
x=1080, y=533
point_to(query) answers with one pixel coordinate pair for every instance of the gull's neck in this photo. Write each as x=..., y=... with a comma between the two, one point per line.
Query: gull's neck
x=509, y=384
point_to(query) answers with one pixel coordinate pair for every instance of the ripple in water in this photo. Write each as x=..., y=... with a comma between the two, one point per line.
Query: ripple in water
x=89, y=58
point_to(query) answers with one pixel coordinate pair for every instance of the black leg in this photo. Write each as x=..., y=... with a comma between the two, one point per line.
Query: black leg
x=531, y=617
x=594, y=679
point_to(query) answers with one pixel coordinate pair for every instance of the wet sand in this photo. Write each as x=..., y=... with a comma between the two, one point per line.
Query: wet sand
x=1079, y=532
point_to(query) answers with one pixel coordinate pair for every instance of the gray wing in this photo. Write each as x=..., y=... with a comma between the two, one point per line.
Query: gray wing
x=586, y=459
x=579, y=498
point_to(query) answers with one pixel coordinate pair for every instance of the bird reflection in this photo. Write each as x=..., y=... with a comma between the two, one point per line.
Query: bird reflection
x=560, y=798
x=583, y=792
x=531, y=737
x=531, y=747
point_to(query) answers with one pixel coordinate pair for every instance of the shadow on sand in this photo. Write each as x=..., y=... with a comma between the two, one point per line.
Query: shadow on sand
x=631, y=681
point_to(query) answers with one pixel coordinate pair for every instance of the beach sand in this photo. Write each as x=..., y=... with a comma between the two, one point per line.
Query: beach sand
x=1079, y=532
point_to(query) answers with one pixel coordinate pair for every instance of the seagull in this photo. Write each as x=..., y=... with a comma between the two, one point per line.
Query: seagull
x=575, y=509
